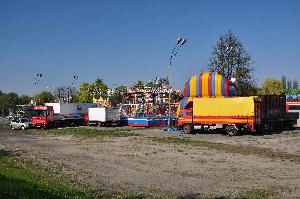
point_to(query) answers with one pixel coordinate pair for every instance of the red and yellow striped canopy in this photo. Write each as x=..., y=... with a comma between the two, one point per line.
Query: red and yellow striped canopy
x=207, y=84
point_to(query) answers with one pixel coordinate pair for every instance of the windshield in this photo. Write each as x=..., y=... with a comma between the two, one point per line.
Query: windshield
x=24, y=120
x=39, y=113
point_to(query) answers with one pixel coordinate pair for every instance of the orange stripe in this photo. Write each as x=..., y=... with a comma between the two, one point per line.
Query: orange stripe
x=224, y=120
x=293, y=103
x=223, y=117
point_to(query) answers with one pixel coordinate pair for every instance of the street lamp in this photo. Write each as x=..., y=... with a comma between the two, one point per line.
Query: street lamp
x=180, y=42
x=37, y=79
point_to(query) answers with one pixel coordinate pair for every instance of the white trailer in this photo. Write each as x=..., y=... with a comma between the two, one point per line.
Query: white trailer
x=103, y=116
x=294, y=108
x=71, y=113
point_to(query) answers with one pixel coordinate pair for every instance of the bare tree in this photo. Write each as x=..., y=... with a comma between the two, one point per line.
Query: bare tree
x=295, y=84
x=64, y=93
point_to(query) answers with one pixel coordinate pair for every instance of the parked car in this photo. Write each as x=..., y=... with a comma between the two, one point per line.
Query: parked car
x=20, y=123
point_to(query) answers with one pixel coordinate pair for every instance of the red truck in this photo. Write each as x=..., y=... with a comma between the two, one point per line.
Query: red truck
x=43, y=117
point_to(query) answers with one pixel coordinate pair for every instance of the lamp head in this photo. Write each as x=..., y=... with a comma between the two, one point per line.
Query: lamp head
x=179, y=40
x=183, y=41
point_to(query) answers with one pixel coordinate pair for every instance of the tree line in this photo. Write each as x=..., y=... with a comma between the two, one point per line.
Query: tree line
x=272, y=86
x=85, y=94
x=8, y=101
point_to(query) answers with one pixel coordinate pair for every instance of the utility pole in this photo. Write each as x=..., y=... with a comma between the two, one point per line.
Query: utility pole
x=178, y=45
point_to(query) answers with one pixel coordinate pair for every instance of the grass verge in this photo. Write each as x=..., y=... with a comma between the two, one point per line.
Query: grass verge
x=243, y=150
x=4, y=125
x=257, y=194
x=20, y=178
x=86, y=132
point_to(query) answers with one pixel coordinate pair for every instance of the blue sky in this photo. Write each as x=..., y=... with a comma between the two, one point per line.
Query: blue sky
x=122, y=41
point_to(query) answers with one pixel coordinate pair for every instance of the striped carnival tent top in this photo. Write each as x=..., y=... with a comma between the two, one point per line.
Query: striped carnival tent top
x=209, y=84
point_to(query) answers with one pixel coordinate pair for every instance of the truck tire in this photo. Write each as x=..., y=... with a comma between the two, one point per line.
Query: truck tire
x=13, y=127
x=232, y=130
x=187, y=128
x=23, y=127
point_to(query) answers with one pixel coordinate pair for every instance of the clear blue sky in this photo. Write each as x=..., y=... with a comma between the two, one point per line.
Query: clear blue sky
x=124, y=40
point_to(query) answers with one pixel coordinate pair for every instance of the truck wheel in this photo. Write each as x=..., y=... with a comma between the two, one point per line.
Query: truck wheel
x=187, y=128
x=13, y=127
x=23, y=127
x=232, y=130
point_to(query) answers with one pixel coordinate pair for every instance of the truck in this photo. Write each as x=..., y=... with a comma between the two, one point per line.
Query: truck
x=60, y=114
x=235, y=115
x=103, y=116
x=44, y=117
x=211, y=102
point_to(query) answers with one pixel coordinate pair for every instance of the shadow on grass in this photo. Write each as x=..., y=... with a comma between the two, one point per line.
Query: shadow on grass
x=4, y=153
x=12, y=187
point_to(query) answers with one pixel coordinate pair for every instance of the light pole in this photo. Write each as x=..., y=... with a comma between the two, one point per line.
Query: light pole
x=37, y=79
x=180, y=42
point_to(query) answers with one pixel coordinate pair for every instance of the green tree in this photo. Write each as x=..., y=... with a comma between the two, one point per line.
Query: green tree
x=230, y=58
x=99, y=89
x=13, y=99
x=84, y=95
x=4, y=103
x=8, y=101
x=271, y=87
x=118, y=95
x=283, y=80
x=163, y=82
x=138, y=84
x=43, y=97
x=176, y=96
x=156, y=83
x=25, y=99
x=150, y=84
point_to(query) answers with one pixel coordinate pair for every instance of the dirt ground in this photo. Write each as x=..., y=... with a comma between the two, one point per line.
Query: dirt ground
x=137, y=164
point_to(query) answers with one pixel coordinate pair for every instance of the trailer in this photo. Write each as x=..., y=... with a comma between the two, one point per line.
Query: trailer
x=103, y=116
x=71, y=108
x=293, y=108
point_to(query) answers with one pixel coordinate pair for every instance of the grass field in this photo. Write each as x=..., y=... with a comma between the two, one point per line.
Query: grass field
x=84, y=132
x=22, y=179
x=29, y=178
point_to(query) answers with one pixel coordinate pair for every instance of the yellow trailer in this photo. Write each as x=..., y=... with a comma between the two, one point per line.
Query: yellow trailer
x=222, y=113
